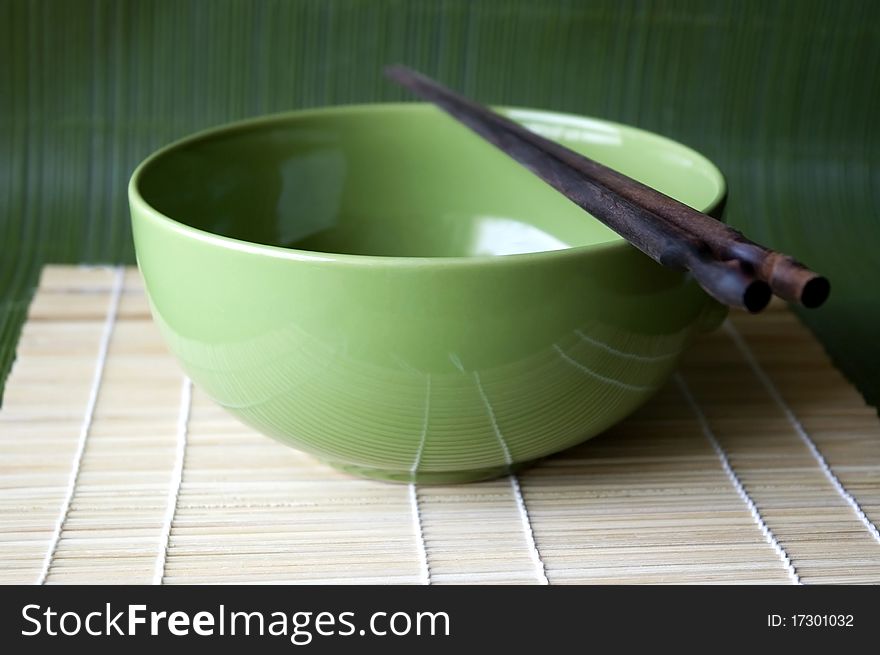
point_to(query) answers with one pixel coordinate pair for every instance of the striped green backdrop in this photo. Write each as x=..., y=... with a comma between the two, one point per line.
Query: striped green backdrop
x=784, y=95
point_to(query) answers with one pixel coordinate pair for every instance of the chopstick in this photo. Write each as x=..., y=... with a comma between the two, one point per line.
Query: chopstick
x=730, y=267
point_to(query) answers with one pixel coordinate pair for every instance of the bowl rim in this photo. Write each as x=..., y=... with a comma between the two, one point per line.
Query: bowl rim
x=139, y=203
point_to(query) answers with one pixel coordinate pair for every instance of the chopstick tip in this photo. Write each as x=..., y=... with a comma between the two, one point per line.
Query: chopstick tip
x=756, y=296
x=399, y=73
x=815, y=292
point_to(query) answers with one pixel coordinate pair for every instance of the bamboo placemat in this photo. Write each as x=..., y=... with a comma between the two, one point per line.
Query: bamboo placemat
x=758, y=463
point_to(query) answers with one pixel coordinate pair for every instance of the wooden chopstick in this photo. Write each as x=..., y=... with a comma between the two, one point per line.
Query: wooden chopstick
x=731, y=268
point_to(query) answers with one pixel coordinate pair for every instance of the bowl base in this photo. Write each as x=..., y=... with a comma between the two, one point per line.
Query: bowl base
x=431, y=477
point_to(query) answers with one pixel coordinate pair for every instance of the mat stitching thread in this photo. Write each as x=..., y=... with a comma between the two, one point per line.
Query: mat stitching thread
x=769, y=537
x=528, y=532
x=749, y=356
x=85, y=428
x=425, y=567
x=176, y=479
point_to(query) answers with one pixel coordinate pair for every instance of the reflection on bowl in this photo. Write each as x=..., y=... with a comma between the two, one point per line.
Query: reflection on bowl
x=378, y=287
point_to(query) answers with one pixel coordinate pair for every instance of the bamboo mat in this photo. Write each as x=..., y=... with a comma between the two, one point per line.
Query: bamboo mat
x=757, y=463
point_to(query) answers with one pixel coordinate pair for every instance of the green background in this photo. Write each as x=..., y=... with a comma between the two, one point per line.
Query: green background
x=784, y=96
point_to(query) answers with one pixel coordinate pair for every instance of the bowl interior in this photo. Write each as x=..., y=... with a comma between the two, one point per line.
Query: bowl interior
x=401, y=181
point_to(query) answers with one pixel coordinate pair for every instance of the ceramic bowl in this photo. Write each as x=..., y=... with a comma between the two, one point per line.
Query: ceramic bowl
x=378, y=287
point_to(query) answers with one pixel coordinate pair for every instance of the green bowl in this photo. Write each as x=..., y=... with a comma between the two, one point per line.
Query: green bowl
x=377, y=286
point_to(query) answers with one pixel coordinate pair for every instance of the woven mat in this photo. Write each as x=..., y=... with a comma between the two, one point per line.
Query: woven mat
x=758, y=463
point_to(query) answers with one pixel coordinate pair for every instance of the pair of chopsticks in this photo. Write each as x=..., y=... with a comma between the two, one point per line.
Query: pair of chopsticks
x=731, y=268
